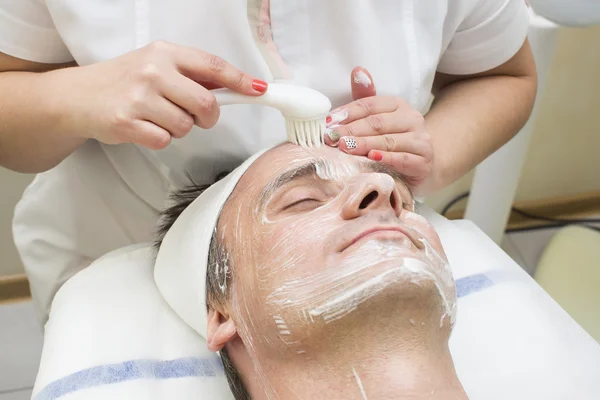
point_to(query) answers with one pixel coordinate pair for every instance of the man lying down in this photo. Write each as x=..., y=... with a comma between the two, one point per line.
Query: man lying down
x=312, y=275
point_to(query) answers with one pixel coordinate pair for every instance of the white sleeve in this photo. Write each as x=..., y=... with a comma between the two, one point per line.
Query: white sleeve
x=486, y=37
x=28, y=32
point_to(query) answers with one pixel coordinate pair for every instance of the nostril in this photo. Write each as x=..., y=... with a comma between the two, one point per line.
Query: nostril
x=371, y=197
x=393, y=201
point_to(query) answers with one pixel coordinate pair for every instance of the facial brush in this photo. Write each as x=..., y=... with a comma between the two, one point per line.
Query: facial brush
x=304, y=109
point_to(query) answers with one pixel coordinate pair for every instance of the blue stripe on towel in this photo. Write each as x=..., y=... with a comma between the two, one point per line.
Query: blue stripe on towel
x=183, y=367
x=131, y=370
x=472, y=284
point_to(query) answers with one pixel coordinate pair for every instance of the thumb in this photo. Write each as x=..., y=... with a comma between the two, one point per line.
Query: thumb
x=362, y=83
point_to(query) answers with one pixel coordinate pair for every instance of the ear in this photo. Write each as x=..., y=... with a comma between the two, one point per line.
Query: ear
x=221, y=329
x=362, y=84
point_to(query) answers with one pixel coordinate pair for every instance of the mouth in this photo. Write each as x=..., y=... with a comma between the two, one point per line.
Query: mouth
x=381, y=232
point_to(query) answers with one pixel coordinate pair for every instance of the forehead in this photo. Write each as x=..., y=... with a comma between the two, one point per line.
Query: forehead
x=330, y=163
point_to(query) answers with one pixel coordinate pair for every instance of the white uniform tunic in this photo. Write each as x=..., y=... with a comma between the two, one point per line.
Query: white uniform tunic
x=104, y=197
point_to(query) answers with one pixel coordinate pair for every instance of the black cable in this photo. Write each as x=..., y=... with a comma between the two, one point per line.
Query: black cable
x=542, y=227
x=555, y=222
x=453, y=202
x=548, y=226
x=542, y=218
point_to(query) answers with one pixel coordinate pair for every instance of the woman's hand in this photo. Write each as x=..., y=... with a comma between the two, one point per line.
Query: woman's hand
x=383, y=128
x=147, y=96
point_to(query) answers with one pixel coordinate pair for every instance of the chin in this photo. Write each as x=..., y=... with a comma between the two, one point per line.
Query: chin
x=388, y=303
x=400, y=284
x=381, y=282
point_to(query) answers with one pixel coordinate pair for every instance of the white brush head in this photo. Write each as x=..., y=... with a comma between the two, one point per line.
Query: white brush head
x=304, y=109
x=306, y=133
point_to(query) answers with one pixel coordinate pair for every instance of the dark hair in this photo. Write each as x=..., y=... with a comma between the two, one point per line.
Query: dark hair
x=218, y=261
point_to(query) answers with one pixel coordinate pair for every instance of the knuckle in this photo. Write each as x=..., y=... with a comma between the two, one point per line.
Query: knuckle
x=184, y=125
x=208, y=112
x=215, y=63
x=405, y=161
x=401, y=102
x=389, y=143
x=159, y=46
x=346, y=130
x=161, y=141
x=206, y=103
x=418, y=117
x=364, y=105
x=135, y=99
x=375, y=123
x=150, y=72
x=123, y=122
x=239, y=80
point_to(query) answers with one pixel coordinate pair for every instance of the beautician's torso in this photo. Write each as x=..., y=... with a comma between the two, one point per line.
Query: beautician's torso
x=312, y=42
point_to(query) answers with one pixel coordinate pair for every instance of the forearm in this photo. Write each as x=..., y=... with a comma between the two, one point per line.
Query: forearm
x=470, y=119
x=31, y=138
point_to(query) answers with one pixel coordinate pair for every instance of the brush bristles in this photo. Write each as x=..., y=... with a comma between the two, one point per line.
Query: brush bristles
x=306, y=133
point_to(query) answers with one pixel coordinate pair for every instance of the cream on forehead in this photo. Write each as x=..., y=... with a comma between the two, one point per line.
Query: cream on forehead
x=285, y=293
x=335, y=166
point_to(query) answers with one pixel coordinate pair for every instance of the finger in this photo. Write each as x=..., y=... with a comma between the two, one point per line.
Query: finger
x=362, y=83
x=362, y=108
x=373, y=125
x=407, y=164
x=205, y=67
x=406, y=143
x=193, y=98
x=150, y=135
x=168, y=116
x=209, y=85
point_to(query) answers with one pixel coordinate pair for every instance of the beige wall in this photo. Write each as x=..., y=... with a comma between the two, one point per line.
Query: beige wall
x=12, y=186
x=564, y=154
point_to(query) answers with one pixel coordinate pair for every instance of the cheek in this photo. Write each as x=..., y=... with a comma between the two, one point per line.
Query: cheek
x=291, y=247
x=421, y=225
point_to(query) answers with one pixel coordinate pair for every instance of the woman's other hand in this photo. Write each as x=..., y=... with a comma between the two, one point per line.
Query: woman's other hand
x=383, y=128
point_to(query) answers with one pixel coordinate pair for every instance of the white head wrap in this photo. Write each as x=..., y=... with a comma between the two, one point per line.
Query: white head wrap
x=180, y=269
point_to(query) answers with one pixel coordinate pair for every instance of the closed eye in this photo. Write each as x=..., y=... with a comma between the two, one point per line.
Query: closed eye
x=302, y=205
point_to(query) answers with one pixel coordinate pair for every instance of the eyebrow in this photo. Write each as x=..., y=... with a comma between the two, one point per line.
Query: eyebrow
x=303, y=171
x=310, y=170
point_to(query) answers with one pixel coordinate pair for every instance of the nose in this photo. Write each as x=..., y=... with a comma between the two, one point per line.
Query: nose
x=372, y=192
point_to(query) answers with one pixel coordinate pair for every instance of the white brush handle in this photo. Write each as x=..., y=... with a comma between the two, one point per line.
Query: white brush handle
x=296, y=102
x=227, y=97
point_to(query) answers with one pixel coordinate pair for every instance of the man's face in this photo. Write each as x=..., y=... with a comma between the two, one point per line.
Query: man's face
x=316, y=234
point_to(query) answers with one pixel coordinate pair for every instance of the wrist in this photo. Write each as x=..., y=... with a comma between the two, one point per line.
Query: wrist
x=58, y=105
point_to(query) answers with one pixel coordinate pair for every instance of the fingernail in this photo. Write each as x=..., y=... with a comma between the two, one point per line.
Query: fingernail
x=259, y=86
x=328, y=119
x=350, y=143
x=362, y=79
x=335, y=117
x=333, y=135
x=377, y=156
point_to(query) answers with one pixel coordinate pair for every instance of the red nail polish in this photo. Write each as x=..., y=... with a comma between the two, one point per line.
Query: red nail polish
x=259, y=86
x=377, y=156
x=328, y=119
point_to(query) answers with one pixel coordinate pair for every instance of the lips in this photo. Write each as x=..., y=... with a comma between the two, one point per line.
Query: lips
x=398, y=230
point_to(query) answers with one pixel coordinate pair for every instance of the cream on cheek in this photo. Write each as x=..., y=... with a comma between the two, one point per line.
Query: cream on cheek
x=434, y=252
x=302, y=280
x=308, y=280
